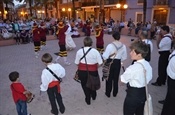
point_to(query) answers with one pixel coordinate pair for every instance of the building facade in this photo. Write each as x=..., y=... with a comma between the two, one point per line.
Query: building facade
x=162, y=11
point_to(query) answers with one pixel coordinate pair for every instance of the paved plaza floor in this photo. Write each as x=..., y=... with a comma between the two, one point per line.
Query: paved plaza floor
x=21, y=58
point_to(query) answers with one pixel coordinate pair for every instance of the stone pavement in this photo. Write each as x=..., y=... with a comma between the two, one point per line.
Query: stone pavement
x=21, y=58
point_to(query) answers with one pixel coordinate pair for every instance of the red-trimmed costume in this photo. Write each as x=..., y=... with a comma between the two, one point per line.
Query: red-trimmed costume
x=17, y=92
x=99, y=39
x=43, y=31
x=36, y=37
x=88, y=29
x=61, y=36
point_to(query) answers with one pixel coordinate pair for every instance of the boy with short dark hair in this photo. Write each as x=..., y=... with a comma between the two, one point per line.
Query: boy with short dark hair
x=51, y=84
x=18, y=93
x=134, y=77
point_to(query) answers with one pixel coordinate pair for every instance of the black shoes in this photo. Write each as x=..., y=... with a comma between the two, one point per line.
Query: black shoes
x=62, y=110
x=155, y=84
x=53, y=112
x=108, y=95
x=87, y=101
x=161, y=101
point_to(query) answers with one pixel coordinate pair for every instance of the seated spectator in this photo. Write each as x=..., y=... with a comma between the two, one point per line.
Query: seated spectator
x=75, y=33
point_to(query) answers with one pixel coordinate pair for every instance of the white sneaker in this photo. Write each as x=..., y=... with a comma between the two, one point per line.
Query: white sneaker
x=56, y=60
x=67, y=63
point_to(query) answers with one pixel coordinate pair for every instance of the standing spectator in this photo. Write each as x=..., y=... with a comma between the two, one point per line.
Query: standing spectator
x=24, y=36
x=134, y=77
x=118, y=48
x=93, y=59
x=144, y=37
x=168, y=107
x=99, y=38
x=18, y=93
x=122, y=25
x=131, y=26
x=36, y=39
x=51, y=84
x=164, y=46
x=62, y=42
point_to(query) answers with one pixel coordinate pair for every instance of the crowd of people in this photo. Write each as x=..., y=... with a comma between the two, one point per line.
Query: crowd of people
x=89, y=59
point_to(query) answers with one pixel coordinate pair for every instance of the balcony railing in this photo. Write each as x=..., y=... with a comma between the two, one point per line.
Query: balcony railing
x=161, y=2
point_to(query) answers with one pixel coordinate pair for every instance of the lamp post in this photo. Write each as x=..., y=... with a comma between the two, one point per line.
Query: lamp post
x=23, y=14
x=68, y=11
x=121, y=7
x=41, y=12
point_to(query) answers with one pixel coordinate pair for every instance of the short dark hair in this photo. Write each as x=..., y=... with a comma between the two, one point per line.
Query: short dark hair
x=116, y=35
x=13, y=76
x=140, y=48
x=47, y=58
x=88, y=41
x=165, y=28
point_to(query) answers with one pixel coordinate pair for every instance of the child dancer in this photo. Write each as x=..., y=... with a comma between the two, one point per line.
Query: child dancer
x=36, y=39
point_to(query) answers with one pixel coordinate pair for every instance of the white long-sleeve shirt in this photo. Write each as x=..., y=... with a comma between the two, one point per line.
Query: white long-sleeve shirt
x=165, y=43
x=47, y=77
x=111, y=49
x=171, y=66
x=134, y=74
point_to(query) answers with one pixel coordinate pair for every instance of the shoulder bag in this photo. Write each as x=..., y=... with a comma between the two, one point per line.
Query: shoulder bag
x=59, y=79
x=93, y=82
x=107, y=65
x=76, y=78
x=148, y=108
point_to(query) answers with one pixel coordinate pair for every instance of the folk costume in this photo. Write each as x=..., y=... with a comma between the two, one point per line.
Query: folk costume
x=99, y=39
x=62, y=41
x=164, y=51
x=93, y=59
x=43, y=31
x=168, y=107
x=36, y=39
x=134, y=77
x=108, y=55
x=88, y=29
x=52, y=86
x=70, y=44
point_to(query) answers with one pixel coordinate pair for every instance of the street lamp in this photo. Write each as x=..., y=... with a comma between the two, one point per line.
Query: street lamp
x=121, y=7
x=68, y=11
x=41, y=12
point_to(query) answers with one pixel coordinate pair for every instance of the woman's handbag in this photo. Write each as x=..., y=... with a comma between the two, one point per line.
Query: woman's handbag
x=93, y=82
x=148, y=108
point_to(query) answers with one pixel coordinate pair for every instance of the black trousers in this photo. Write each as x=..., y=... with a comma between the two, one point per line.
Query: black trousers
x=162, y=65
x=168, y=107
x=134, y=101
x=88, y=92
x=112, y=82
x=53, y=97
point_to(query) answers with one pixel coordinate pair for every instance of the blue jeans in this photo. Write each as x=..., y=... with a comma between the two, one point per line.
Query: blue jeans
x=21, y=107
